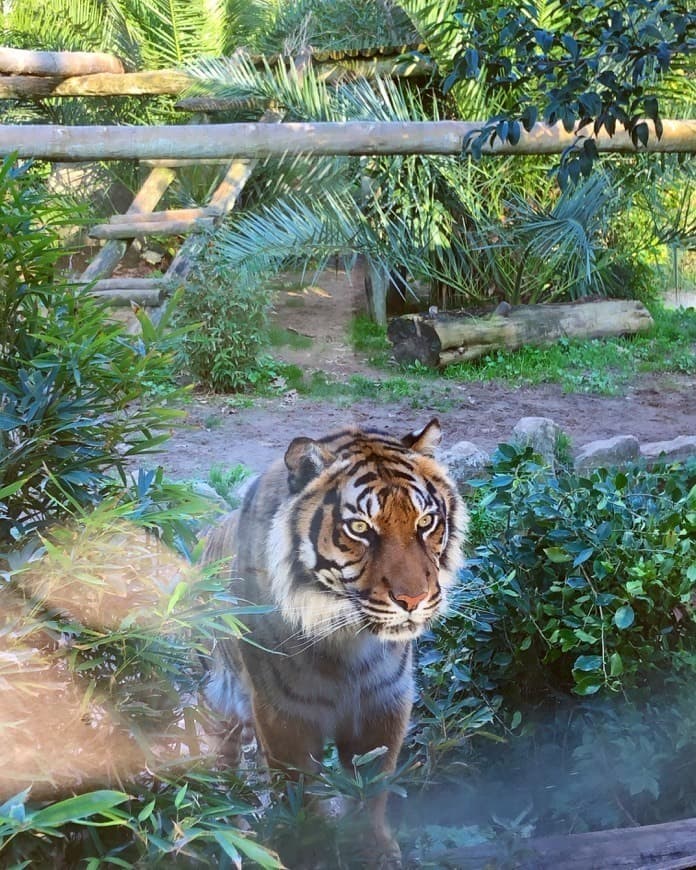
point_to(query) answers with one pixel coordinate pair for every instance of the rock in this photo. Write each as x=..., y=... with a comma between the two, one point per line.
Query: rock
x=541, y=433
x=607, y=453
x=464, y=461
x=677, y=450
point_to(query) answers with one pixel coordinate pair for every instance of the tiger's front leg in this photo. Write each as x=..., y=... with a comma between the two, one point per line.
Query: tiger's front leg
x=388, y=728
x=287, y=742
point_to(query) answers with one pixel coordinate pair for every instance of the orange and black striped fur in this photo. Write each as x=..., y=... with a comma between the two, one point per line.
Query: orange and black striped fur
x=354, y=540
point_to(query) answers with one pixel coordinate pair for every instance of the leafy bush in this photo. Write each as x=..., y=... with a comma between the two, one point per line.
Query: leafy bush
x=230, y=317
x=571, y=648
x=74, y=401
x=586, y=585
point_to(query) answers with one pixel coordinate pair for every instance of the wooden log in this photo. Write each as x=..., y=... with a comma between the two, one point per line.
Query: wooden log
x=668, y=846
x=122, y=297
x=173, y=82
x=445, y=338
x=132, y=228
x=150, y=193
x=191, y=161
x=20, y=61
x=166, y=215
x=259, y=140
x=126, y=284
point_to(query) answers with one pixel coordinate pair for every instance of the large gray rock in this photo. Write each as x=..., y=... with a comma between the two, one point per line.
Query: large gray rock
x=607, y=453
x=677, y=450
x=540, y=433
x=464, y=461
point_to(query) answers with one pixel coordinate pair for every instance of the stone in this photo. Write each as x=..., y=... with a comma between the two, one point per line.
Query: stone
x=677, y=450
x=540, y=433
x=607, y=453
x=464, y=461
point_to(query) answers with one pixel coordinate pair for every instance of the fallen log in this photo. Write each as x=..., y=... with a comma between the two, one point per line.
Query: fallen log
x=441, y=339
x=668, y=846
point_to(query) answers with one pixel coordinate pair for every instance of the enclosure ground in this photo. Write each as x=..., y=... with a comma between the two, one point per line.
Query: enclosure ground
x=218, y=431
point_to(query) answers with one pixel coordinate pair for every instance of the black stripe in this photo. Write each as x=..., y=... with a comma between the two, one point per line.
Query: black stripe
x=366, y=478
x=282, y=685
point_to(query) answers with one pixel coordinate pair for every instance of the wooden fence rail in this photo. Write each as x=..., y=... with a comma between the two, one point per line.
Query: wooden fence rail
x=256, y=140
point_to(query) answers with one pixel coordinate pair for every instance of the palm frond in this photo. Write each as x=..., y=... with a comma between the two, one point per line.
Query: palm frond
x=561, y=246
x=169, y=33
x=434, y=21
x=238, y=78
x=64, y=25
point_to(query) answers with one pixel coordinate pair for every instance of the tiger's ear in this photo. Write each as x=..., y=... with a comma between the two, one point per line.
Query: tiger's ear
x=305, y=459
x=425, y=440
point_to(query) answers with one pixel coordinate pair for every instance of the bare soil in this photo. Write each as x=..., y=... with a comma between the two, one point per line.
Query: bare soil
x=216, y=431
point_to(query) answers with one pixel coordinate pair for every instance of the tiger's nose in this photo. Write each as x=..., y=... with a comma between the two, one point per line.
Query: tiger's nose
x=408, y=602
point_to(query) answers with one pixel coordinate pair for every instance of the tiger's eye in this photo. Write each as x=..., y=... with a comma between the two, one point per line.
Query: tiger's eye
x=426, y=521
x=358, y=527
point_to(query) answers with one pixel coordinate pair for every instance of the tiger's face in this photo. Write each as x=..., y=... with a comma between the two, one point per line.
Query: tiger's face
x=371, y=536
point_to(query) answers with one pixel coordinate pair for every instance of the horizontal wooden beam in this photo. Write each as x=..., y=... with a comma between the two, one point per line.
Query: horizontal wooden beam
x=165, y=82
x=129, y=229
x=170, y=214
x=125, y=284
x=124, y=296
x=259, y=140
x=20, y=61
x=174, y=82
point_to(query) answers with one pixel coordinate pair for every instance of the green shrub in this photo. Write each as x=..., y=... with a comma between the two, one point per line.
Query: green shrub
x=230, y=318
x=581, y=583
x=74, y=401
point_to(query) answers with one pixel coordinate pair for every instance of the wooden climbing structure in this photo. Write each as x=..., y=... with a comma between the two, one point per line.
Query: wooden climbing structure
x=39, y=74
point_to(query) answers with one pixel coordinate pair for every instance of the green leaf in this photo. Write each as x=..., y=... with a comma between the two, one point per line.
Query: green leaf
x=616, y=665
x=587, y=686
x=516, y=719
x=557, y=555
x=227, y=840
x=624, y=617
x=583, y=556
x=263, y=856
x=146, y=811
x=12, y=488
x=75, y=809
x=180, y=795
x=587, y=663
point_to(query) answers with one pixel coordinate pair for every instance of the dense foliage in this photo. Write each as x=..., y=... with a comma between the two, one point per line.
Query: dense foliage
x=570, y=654
x=582, y=583
x=69, y=376
x=581, y=63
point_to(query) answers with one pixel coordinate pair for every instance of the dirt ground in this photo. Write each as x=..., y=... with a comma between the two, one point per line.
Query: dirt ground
x=216, y=431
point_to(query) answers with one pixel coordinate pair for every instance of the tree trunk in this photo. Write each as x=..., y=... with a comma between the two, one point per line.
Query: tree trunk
x=445, y=338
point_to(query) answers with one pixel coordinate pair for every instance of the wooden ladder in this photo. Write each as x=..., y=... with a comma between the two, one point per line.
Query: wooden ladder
x=141, y=220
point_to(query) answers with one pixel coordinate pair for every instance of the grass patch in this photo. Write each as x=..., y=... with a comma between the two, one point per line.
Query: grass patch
x=370, y=338
x=278, y=336
x=417, y=393
x=225, y=480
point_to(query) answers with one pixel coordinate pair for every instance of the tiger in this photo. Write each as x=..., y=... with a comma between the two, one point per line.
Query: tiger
x=351, y=541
